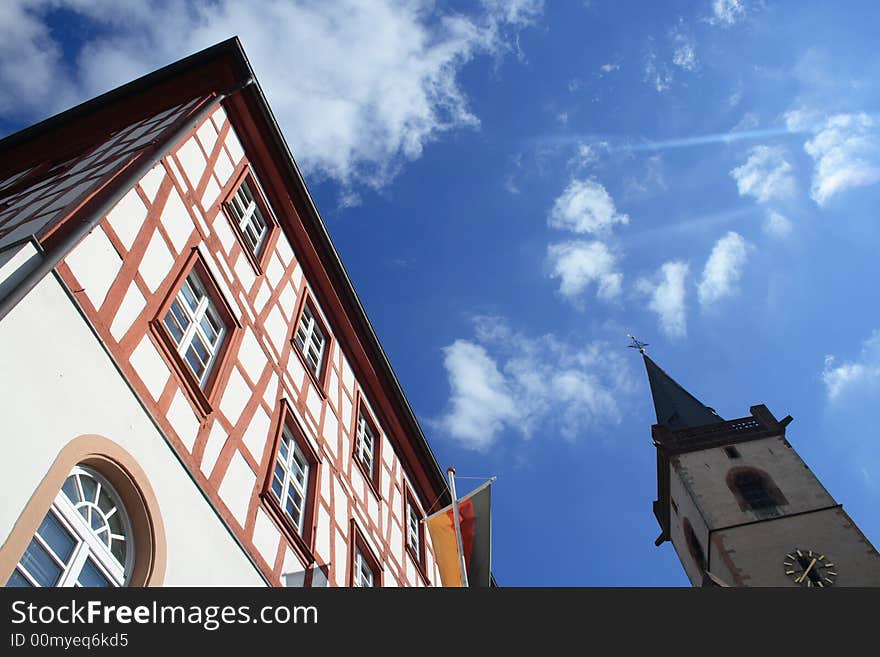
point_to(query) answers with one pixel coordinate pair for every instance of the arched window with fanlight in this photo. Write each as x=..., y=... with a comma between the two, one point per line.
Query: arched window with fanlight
x=85, y=539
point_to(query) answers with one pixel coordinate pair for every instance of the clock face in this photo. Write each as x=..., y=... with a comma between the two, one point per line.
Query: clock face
x=810, y=568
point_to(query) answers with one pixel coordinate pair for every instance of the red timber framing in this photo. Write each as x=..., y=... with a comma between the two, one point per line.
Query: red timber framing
x=225, y=436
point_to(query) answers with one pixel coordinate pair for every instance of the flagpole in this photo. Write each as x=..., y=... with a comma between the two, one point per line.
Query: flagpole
x=451, y=472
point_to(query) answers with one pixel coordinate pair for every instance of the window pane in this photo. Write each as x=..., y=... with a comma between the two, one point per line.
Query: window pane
x=179, y=314
x=210, y=329
x=70, y=490
x=197, y=367
x=40, y=565
x=89, y=488
x=118, y=549
x=56, y=537
x=189, y=294
x=173, y=328
x=18, y=581
x=92, y=577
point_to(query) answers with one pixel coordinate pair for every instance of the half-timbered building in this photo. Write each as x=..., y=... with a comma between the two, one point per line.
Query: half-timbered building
x=192, y=393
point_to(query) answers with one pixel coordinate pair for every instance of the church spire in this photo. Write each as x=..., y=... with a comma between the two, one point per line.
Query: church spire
x=676, y=408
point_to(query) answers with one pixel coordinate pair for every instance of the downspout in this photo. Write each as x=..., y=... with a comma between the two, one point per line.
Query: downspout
x=37, y=267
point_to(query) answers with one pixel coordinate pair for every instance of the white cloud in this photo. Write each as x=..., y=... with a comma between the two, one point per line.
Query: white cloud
x=382, y=85
x=667, y=297
x=685, y=56
x=503, y=380
x=862, y=374
x=723, y=268
x=657, y=74
x=609, y=68
x=766, y=175
x=578, y=264
x=727, y=12
x=777, y=225
x=480, y=403
x=585, y=207
x=685, y=50
x=801, y=119
x=846, y=152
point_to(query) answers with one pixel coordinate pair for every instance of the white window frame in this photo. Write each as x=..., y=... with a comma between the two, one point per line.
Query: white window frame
x=247, y=213
x=413, y=529
x=310, y=339
x=294, y=459
x=205, y=310
x=366, y=444
x=88, y=545
x=363, y=573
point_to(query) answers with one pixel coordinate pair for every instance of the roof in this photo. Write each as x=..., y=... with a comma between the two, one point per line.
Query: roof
x=676, y=408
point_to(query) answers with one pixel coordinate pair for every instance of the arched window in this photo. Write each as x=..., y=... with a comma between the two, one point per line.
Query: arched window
x=755, y=491
x=85, y=539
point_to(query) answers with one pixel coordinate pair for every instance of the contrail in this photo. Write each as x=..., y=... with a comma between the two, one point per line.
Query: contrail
x=613, y=145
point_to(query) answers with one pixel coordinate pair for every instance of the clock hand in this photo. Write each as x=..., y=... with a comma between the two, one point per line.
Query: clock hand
x=801, y=578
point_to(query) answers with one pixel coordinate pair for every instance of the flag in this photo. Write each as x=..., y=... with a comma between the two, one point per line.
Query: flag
x=476, y=539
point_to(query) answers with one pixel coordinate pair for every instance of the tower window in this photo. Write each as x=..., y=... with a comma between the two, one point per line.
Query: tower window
x=693, y=545
x=755, y=491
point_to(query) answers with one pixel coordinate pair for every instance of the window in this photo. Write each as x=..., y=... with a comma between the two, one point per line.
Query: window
x=693, y=545
x=363, y=574
x=195, y=328
x=415, y=538
x=289, y=490
x=84, y=540
x=364, y=568
x=290, y=479
x=250, y=216
x=311, y=340
x=367, y=446
x=755, y=491
x=413, y=528
x=366, y=443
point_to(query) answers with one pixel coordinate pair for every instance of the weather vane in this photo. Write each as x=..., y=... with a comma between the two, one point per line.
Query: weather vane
x=637, y=344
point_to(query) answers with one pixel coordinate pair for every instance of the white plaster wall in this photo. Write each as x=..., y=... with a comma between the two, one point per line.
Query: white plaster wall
x=58, y=383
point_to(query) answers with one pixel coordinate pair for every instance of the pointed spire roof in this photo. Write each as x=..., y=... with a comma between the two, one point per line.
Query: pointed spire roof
x=676, y=408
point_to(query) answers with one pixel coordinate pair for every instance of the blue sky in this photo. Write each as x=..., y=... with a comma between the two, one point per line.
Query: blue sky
x=515, y=186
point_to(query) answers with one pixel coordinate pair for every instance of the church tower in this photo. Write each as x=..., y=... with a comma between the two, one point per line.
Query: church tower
x=739, y=505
